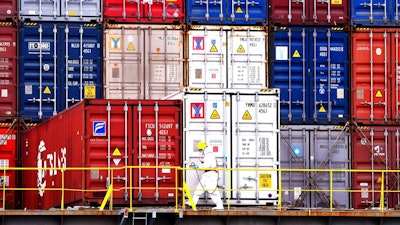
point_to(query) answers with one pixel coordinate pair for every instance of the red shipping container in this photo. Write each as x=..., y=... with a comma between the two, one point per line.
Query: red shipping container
x=107, y=134
x=375, y=148
x=8, y=158
x=375, y=75
x=144, y=11
x=309, y=12
x=8, y=10
x=8, y=71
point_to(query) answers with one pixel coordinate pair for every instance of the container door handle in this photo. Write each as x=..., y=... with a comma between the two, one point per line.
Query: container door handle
x=163, y=10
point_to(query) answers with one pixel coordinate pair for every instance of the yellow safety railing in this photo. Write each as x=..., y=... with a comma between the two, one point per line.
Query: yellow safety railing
x=181, y=189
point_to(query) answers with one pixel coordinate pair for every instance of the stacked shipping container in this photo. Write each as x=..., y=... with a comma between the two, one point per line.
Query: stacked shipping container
x=105, y=134
x=375, y=101
x=8, y=102
x=60, y=55
x=227, y=104
x=309, y=62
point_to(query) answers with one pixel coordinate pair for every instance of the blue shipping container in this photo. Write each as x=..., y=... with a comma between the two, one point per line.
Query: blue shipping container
x=375, y=13
x=310, y=66
x=228, y=12
x=60, y=64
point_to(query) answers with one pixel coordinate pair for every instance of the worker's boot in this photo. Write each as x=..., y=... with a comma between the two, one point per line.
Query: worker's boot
x=219, y=206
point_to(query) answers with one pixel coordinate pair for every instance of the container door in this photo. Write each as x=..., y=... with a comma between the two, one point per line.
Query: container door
x=207, y=64
x=290, y=73
x=288, y=12
x=207, y=118
x=156, y=148
x=167, y=11
x=39, y=51
x=40, y=9
x=375, y=12
x=124, y=75
x=122, y=10
x=294, y=154
x=8, y=72
x=329, y=83
x=375, y=148
x=81, y=71
x=329, y=11
x=329, y=149
x=8, y=10
x=247, y=12
x=371, y=57
x=395, y=65
x=108, y=146
x=163, y=61
x=81, y=10
x=205, y=12
x=247, y=59
x=255, y=143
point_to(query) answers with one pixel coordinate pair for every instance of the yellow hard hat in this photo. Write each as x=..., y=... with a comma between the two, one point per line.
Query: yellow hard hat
x=201, y=145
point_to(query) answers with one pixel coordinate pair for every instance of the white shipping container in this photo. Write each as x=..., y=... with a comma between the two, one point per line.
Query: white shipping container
x=227, y=57
x=142, y=61
x=242, y=129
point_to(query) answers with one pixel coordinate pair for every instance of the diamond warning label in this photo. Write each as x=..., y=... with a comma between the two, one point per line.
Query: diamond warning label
x=241, y=49
x=246, y=115
x=116, y=152
x=322, y=109
x=296, y=54
x=213, y=48
x=47, y=90
x=378, y=94
x=131, y=47
x=215, y=115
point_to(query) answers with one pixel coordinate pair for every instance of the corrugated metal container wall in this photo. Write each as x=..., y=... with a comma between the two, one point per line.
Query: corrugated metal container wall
x=8, y=71
x=375, y=79
x=8, y=10
x=309, y=12
x=227, y=12
x=62, y=10
x=315, y=147
x=227, y=57
x=8, y=158
x=144, y=11
x=375, y=148
x=311, y=67
x=242, y=128
x=114, y=134
x=375, y=13
x=60, y=64
x=142, y=62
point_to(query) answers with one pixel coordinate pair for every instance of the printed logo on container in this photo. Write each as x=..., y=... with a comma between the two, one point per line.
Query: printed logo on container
x=99, y=128
x=197, y=110
x=198, y=43
x=44, y=46
x=54, y=160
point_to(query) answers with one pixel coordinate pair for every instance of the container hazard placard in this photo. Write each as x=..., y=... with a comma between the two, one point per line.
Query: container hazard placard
x=265, y=180
x=90, y=92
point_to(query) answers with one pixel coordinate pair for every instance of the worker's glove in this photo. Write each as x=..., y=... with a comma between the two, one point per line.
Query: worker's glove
x=195, y=167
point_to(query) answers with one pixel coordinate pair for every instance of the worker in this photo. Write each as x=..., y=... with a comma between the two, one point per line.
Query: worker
x=209, y=179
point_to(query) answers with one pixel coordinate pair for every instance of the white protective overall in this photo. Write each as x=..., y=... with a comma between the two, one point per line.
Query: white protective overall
x=209, y=179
